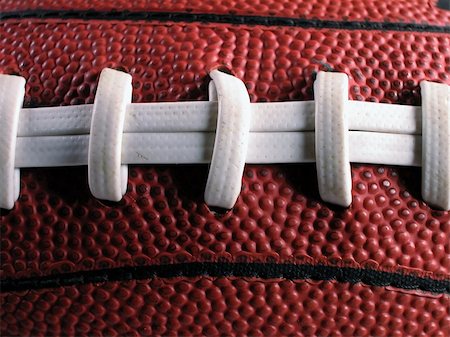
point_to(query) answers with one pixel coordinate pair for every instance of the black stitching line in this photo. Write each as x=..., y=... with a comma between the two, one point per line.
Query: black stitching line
x=224, y=18
x=289, y=271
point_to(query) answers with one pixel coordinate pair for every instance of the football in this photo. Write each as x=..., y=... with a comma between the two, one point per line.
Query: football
x=225, y=168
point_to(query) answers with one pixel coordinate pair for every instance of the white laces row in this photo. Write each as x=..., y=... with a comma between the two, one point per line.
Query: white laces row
x=227, y=131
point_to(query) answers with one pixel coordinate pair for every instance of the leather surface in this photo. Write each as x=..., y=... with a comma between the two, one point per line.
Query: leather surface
x=58, y=227
x=225, y=306
x=62, y=66
x=419, y=11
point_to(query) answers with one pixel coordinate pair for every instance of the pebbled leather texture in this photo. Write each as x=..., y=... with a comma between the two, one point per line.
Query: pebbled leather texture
x=57, y=227
x=418, y=11
x=229, y=306
x=62, y=67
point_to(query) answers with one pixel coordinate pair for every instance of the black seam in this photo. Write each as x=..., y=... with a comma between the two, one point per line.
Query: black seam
x=288, y=271
x=224, y=18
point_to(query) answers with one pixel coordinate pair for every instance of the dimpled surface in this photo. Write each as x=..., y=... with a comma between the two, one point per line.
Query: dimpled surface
x=225, y=306
x=58, y=227
x=419, y=11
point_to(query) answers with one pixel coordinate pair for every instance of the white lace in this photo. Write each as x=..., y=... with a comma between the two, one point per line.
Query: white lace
x=226, y=132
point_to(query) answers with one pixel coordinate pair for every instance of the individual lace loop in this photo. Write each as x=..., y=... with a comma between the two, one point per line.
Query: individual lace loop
x=231, y=140
x=436, y=144
x=106, y=174
x=12, y=92
x=332, y=148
